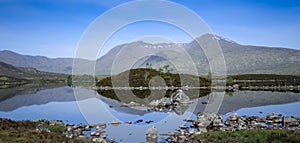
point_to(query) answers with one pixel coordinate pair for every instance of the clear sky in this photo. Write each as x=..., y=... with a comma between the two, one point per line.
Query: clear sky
x=53, y=28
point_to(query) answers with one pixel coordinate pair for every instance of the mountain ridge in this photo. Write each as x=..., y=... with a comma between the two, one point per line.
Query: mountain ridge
x=22, y=73
x=42, y=63
x=240, y=59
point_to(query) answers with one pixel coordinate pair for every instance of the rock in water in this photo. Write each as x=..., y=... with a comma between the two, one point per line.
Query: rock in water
x=237, y=122
x=164, y=102
x=290, y=122
x=180, y=109
x=115, y=122
x=209, y=120
x=177, y=102
x=179, y=96
x=154, y=103
x=151, y=135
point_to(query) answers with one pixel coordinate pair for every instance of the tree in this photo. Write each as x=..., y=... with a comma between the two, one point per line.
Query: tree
x=171, y=81
x=167, y=69
x=148, y=65
x=209, y=75
x=230, y=80
x=43, y=80
x=160, y=70
x=96, y=79
x=230, y=93
x=146, y=75
x=69, y=81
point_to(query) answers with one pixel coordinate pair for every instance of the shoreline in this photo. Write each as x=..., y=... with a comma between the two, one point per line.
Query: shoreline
x=227, y=88
x=208, y=127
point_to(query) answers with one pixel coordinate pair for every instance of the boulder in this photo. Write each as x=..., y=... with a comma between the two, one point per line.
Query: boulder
x=234, y=117
x=42, y=128
x=179, y=109
x=99, y=126
x=177, y=102
x=275, y=121
x=99, y=140
x=55, y=122
x=154, y=103
x=205, y=116
x=236, y=121
x=290, y=122
x=87, y=128
x=179, y=96
x=115, y=122
x=274, y=118
x=165, y=102
x=258, y=125
x=151, y=135
x=218, y=123
x=252, y=118
x=209, y=120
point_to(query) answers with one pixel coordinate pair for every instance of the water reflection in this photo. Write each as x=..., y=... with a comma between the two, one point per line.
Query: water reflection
x=12, y=91
x=60, y=103
x=193, y=94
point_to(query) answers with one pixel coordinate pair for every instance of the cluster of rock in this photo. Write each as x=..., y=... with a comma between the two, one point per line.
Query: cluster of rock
x=96, y=131
x=97, y=135
x=213, y=122
x=177, y=102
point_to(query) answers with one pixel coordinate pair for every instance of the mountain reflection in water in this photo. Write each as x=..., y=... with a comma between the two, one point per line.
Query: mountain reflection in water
x=82, y=105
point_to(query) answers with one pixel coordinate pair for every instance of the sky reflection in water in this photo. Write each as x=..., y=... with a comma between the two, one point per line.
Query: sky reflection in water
x=99, y=109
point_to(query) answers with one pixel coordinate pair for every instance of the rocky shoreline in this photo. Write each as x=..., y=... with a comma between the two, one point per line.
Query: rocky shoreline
x=210, y=122
x=205, y=122
x=190, y=132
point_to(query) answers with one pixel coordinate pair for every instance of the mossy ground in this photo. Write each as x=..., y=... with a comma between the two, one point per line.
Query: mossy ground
x=25, y=132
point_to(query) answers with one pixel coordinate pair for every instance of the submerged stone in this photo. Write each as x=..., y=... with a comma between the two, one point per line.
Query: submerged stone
x=151, y=135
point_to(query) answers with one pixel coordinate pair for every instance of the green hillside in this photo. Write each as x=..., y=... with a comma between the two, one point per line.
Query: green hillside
x=19, y=75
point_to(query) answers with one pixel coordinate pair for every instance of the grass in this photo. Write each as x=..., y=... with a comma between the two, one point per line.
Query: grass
x=251, y=136
x=277, y=79
x=25, y=132
x=56, y=129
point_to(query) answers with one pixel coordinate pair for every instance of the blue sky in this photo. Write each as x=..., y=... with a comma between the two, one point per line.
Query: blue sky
x=54, y=28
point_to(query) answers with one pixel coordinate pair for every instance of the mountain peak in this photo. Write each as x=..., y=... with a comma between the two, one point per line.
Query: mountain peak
x=215, y=37
x=219, y=38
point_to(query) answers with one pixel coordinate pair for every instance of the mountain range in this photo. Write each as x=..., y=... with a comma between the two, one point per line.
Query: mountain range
x=11, y=76
x=57, y=65
x=239, y=59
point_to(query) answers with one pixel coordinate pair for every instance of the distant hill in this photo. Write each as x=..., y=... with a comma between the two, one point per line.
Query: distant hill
x=240, y=59
x=11, y=73
x=57, y=65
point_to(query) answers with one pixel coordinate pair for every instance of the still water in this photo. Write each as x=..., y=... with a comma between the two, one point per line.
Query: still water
x=81, y=105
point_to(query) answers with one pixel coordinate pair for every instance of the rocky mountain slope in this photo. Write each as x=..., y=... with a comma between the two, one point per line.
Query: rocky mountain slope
x=57, y=65
x=239, y=59
x=9, y=71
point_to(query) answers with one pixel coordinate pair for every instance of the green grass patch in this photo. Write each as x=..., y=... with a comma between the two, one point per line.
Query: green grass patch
x=25, y=132
x=57, y=129
x=251, y=136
